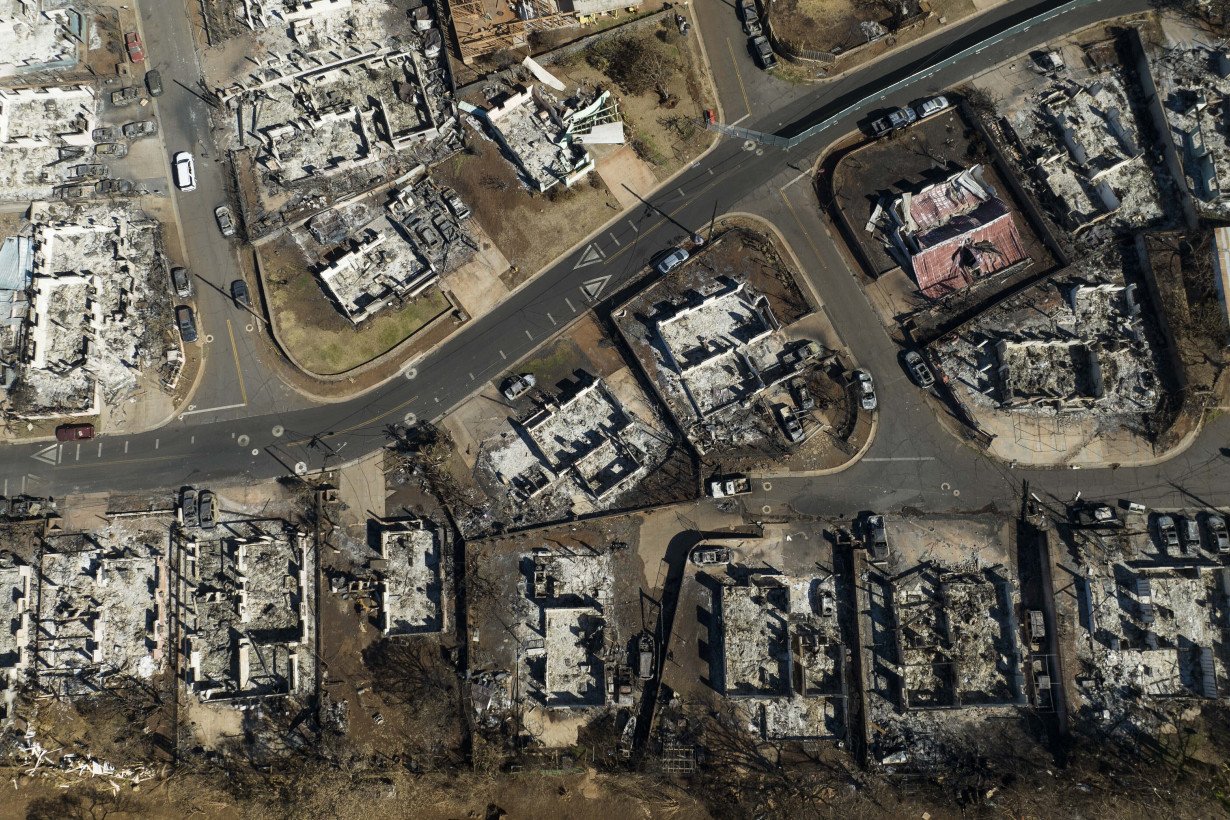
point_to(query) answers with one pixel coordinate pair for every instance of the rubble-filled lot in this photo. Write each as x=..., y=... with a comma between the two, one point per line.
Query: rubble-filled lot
x=39, y=39
x=1074, y=355
x=557, y=619
x=94, y=314
x=45, y=140
x=336, y=103
x=943, y=653
x=1081, y=134
x=734, y=350
x=585, y=439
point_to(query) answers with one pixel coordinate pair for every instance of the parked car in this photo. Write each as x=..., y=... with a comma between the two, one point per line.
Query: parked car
x=153, y=82
x=226, y=220
x=1217, y=533
x=875, y=536
x=644, y=656
x=894, y=119
x=185, y=171
x=208, y=509
x=866, y=389
x=667, y=261
x=181, y=280
x=70, y=192
x=707, y=556
x=762, y=52
x=136, y=51
x=89, y=170
x=114, y=186
x=239, y=292
x=790, y=424
x=74, y=432
x=1190, y=529
x=1167, y=533
x=187, y=323
x=107, y=133
x=517, y=386
x=125, y=96
x=188, y=514
x=919, y=371
x=930, y=106
x=803, y=398
x=111, y=149
x=725, y=486
x=140, y=128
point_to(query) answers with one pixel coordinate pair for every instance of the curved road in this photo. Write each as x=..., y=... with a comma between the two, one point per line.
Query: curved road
x=914, y=461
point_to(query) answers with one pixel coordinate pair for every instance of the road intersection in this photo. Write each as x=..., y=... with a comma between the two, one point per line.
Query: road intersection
x=915, y=462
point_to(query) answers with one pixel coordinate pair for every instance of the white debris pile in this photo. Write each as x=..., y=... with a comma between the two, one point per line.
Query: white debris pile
x=51, y=761
x=44, y=135
x=100, y=317
x=1069, y=345
x=579, y=452
x=1084, y=146
x=1193, y=80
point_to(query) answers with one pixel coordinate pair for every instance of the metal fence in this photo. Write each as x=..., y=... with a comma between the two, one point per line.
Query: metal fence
x=1052, y=11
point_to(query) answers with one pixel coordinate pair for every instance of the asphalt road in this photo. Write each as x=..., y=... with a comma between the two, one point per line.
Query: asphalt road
x=235, y=382
x=914, y=462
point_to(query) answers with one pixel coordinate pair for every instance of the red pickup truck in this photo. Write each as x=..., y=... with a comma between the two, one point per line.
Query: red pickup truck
x=74, y=432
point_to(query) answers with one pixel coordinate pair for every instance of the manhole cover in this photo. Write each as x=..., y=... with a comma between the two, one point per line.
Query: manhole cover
x=410, y=372
x=300, y=468
x=243, y=441
x=256, y=451
x=278, y=430
x=768, y=485
x=410, y=419
x=766, y=509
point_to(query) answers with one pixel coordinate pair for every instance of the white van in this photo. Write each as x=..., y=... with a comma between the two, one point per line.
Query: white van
x=185, y=171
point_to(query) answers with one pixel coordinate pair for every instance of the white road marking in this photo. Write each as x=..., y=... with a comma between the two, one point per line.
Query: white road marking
x=527, y=333
x=902, y=458
x=570, y=304
x=682, y=195
x=212, y=409
x=614, y=238
x=552, y=318
x=741, y=119
x=78, y=458
x=632, y=225
x=46, y=456
x=796, y=179
x=99, y=450
x=594, y=287
x=156, y=443
x=592, y=255
x=502, y=356
x=471, y=377
x=125, y=447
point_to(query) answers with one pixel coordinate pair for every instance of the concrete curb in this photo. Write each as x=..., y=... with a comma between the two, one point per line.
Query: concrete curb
x=845, y=465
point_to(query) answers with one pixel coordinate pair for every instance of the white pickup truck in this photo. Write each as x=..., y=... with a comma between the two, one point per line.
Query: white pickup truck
x=729, y=485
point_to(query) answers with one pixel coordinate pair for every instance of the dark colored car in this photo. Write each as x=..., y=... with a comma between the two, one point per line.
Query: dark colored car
x=187, y=323
x=763, y=52
x=239, y=292
x=74, y=432
x=188, y=508
x=208, y=508
x=153, y=81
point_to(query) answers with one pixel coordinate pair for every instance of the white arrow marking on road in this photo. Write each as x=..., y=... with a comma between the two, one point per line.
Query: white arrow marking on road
x=592, y=256
x=594, y=286
x=48, y=455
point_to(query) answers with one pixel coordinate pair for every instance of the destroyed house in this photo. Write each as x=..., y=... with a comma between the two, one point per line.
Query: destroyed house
x=956, y=638
x=782, y=656
x=955, y=232
x=246, y=613
x=409, y=579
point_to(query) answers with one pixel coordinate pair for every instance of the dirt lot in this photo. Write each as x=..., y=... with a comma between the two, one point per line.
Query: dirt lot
x=834, y=25
x=665, y=140
x=315, y=333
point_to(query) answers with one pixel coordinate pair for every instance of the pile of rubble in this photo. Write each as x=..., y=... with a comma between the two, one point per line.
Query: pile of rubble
x=95, y=321
x=577, y=452
x=1081, y=142
x=1064, y=346
x=39, y=37
x=44, y=139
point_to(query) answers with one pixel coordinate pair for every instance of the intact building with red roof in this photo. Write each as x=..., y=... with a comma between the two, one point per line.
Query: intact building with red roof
x=955, y=232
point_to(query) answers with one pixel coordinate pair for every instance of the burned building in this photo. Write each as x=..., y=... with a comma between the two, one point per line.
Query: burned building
x=952, y=233
x=44, y=135
x=409, y=583
x=101, y=612
x=782, y=655
x=1063, y=346
x=245, y=609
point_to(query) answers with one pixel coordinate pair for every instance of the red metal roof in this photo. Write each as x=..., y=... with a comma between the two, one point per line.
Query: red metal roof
x=968, y=247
